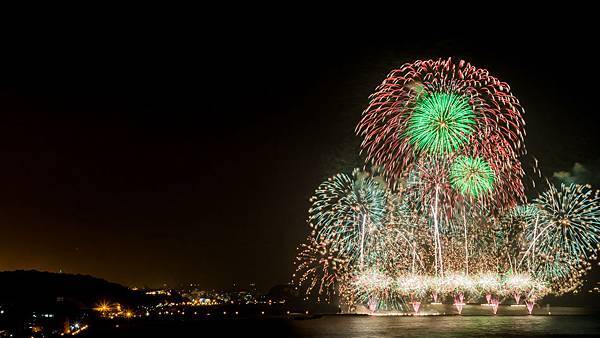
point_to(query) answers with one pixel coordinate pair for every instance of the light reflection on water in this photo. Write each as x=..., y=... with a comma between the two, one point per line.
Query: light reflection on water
x=443, y=326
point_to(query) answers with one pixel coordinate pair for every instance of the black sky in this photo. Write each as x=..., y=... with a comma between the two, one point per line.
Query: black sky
x=169, y=153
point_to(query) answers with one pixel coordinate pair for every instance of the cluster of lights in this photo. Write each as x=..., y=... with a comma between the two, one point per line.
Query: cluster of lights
x=113, y=311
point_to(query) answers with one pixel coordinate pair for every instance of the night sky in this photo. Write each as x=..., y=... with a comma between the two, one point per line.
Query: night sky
x=176, y=154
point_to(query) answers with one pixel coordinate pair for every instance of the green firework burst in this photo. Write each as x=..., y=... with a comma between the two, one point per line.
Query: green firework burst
x=440, y=123
x=471, y=176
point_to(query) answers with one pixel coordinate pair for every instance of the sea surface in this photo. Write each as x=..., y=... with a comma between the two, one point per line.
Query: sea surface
x=445, y=326
x=364, y=326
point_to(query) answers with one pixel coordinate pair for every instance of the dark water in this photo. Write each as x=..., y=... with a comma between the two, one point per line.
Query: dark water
x=443, y=326
x=364, y=326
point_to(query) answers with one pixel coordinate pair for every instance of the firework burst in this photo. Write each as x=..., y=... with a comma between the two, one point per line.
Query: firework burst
x=320, y=269
x=471, y=176
x=440, y=108
x=444, y=223
x=565, y=234
x=440, y=123
x=347, y=208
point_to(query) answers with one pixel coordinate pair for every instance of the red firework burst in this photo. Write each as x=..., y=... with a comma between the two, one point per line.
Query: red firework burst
x=495, y=133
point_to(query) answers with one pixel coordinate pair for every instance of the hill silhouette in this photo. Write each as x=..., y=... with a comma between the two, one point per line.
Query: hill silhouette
x=39, y=289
